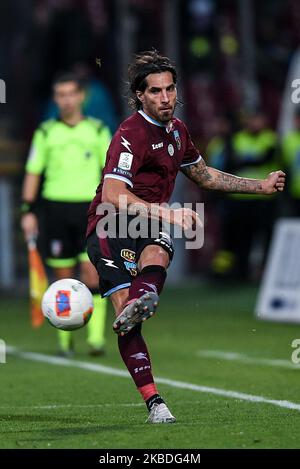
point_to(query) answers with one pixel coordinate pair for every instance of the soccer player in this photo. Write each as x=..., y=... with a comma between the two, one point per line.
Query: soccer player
x=70, y=153
x=143, y=160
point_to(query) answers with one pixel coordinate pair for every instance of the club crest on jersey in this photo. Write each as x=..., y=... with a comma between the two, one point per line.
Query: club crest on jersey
x=177, y=139
x=171, y=149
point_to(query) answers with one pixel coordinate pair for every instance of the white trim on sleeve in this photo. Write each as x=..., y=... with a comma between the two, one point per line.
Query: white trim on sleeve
x=193, y=162
x=121, y=178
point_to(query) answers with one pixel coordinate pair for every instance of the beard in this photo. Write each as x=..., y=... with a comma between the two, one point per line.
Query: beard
x=160, y=115
x=166, y=115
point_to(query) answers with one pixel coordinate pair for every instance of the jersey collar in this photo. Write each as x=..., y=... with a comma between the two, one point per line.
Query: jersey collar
x=168, y=127
x=149, y=119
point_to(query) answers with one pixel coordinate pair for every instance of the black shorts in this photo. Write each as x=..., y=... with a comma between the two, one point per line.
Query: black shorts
x=116, y=259
x=64, y=232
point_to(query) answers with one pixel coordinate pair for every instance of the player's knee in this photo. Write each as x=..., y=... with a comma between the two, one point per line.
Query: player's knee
x=153, y=255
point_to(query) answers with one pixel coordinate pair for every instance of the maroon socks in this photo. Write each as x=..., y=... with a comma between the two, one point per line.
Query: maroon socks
x=132, y=346
x=150, y=279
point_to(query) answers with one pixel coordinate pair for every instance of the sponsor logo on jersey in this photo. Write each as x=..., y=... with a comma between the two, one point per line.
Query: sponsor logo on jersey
x=122, y=172
x=177, y=139
x=155, y=146
x=128, y=255
x=125, y=144
x=171, y=149
x=125, y=161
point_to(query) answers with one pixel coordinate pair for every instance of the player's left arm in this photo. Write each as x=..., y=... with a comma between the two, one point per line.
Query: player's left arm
x=213, y=179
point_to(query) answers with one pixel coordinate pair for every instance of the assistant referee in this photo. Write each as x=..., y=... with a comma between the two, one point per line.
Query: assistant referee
x=70, y=153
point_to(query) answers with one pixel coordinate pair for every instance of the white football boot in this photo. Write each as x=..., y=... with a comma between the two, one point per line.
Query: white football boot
x=160, y=414
x=134, y=313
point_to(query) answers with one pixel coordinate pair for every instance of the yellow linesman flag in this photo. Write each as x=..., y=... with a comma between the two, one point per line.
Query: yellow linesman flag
x=38, y=284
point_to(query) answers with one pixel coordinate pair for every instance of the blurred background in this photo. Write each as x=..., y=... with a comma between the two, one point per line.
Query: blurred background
x=235, y=60
x=238, y=62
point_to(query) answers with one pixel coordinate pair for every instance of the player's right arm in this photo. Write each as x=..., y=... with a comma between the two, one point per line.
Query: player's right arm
x=34, y=167
x=125, y=158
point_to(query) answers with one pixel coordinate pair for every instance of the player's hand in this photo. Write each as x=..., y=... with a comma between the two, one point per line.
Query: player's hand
x=274, y=182
x=29, y=225
x=185, y=217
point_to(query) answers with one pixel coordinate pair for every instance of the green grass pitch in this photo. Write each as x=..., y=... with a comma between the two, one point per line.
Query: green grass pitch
x=50, y=406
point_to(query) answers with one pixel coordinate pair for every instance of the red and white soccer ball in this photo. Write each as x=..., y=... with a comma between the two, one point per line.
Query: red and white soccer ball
x=67, y=304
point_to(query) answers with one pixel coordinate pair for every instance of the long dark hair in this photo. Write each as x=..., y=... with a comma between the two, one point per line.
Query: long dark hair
x=143, y=64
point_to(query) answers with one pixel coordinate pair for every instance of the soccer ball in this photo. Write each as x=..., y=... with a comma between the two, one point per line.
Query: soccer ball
x=67, y=304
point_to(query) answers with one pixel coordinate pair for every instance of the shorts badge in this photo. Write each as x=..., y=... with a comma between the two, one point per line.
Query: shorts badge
x=128, y=255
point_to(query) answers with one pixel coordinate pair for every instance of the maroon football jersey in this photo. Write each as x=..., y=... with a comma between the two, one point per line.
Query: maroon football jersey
x=147, y=157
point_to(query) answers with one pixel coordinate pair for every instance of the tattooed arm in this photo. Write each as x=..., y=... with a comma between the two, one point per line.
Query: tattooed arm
x=213, y=179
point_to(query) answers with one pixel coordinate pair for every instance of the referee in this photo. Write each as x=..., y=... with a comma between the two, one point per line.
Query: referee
x=69, y=152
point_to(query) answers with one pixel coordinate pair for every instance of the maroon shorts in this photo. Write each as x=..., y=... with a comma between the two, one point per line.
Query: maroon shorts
x=116, y=259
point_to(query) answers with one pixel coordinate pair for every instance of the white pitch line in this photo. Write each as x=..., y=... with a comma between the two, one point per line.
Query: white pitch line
x=172, y=383
x=240, y=357
x=70, y=406
x=85, y=406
